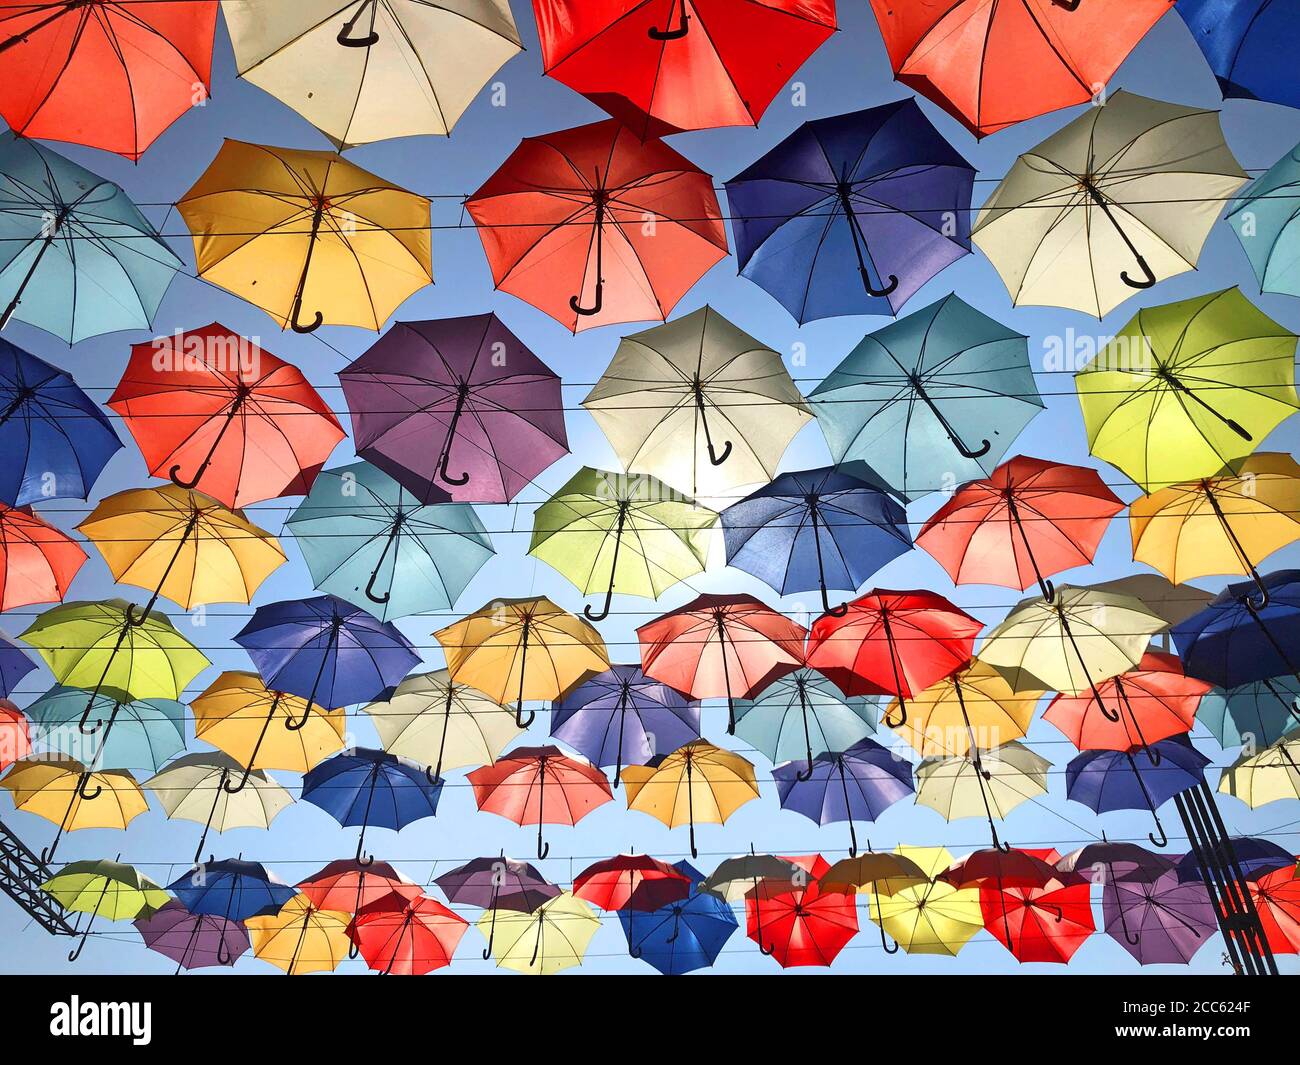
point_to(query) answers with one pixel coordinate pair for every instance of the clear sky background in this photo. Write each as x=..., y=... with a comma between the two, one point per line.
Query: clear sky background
x=850, y=72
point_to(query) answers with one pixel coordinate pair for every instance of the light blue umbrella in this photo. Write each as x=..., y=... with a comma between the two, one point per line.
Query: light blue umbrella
x=1266, y=219
x=139, y=734
x=1264, y=709
x=368, y=540
x=77, y=258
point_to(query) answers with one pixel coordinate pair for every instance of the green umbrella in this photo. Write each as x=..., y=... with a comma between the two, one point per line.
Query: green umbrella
x=107, y=889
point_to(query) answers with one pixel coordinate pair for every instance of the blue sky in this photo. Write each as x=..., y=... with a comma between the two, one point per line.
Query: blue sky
x=849, y=72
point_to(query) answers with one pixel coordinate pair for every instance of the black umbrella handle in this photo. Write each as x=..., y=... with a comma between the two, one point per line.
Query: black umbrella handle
x=389, y=544
x=331, y=644
x=890, y=948
x=924, y=396
x=844, y=190
x=805, y=775
x=673, y=33
x=295, y=318
x=716, y=458
x=1067, y=5
x=236, y=405
x=345, y=37
x=599, y=198
x=815, y=523
x=444, y=473
x=898, y=677
x=587, y=612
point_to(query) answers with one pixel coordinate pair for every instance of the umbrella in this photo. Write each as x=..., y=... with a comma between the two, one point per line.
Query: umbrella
x=1045, y=924
x=233, y=889
x=435, y=721
x=365, y=787
x=990, y=782
x=631, y=882
x=593, y=226
x=1246, y=634
x=1276, y=897
x=852, y=214
x=462, y=394
x=106, y=889
x=1160, y=922
x=823, y=794
x=802, y=925
x=1010, y=867
x=515, y=786
x=1172, y=603
x=143, y=69
x=405, y=936
x=299, y=232
x=1261, y=712
x=1267, y=776
x=367, y=540
x=601, y=519
x=721, y=646
x=369, y=71
x=526, y=648
x=1253, y=855
x=78, y=258
x=496, y=884
x=299, y=938
x=945, y=388
x=212, y=410
x=681, y=937
x=932, y=917
x=662, y=67
x=880, y=872
x=1243, y=43
x=37, y=561
x=991, y=66
x=1263, y=217
x=1106, y=862
x=14, y=666
x=696, y=784
x=1208, y=378
x=736, y=879
x=551, y=938
x=854, y=527
x=326, y=650
x=350, y=886
x=15, y=742
x=137, y=733
x=1122, y=197
x=192, y=941
x=699, y=404
x=623, y=717
x=45, y=460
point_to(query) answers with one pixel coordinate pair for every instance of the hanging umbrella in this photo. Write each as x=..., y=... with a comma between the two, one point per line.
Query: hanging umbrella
x=1122, y=197
x=212, y=410
x=143, y=69
x=1267, y=776
x=515, y=786
x=681, y=937
x=307, y=236
x=370, y=71
x=15, y=741
x=551, y=938
x=991, y=66
x=880, y=873
x=852, y=214
x=1160, y=922
x=1106, y=862
x=594, y=227
x=601, y=519
x=45, y=460
x=699, y=404
x=78, y=258
x=990, y=782
x=14, y=666
x=525, y=648
x=1263, y=710
x=932, y=917
x=1246, y=634
x=802, y=925
x=1253, y=855
x=1170, y=602
x=696, y=784
x=631, y=882
x=622, y=717
x=192, y=941
x=351, y=886
x=106, y=889
x=663, y=67
x=721, y=647
x=1011, y=867
x=367, y=540
x=737, y=879
x=233, y=889
x=370, y=788
x=1276, y=897
x=1208, y=378
x=1263, y=218
x=37, y=561
x=1043, y=924
x=137, y=733
x=852, y=526
x=407, y=937
x=495, y=885
x=945, y=388
x=299, y=938
x=1243, y=43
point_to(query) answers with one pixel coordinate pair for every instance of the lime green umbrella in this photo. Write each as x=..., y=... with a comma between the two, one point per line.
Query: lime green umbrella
x=624, y=532
x=107, y=889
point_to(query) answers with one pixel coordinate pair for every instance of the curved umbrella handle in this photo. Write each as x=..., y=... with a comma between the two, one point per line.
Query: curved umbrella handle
x=676, y=33
x=1067, y=5
x=805, y=775
x=74, y=954
x=902, y=708
x=520, y=720
x=311, y=327
x=370, y=589
x=880, y=916
x=591, y=615
x=223, y=953
x=447, y=478
x=1146, y=281
x=173, y=475
x=134, y=620
x=1163, y=839
x=714, y=458
x=832, y=611
x=356, y=42
x=878, y=292
x=576, y=306
x=298, y=724
x=983, y=449
x=85, y=795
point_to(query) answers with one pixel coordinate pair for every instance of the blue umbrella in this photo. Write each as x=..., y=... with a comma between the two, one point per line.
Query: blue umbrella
x=77, y=258
x=1249, y=46
x=365, y=787
x=137, y=734
x=14, y=665
x=1247, y=633
x=233, y=889
x=681, y=937
x=832, y=527
x=1265, y=218
x=55, y=439
x=1265, y=710
x=1252, y=855
x=944, y=389
x=852, y=214
x=327, y=651
x=369, y=540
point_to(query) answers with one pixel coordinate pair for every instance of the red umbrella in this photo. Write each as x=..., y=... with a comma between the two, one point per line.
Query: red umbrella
x=663, y=66
x=211, y=410
x=1046, y=923
x=1027, y=520
x=350, y=886
x=37, y=561
x=800, y=924
x=892, y=643
x=594, y=227
x=631, y=882
x=1277, y=899
x=540, y=786
x=407, y=936
x=107, y=75
x=1008, y=866
x=991, y=65
x=15, y=741
x=721, y=646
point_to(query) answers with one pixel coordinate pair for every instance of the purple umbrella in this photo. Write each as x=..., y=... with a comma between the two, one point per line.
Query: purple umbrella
x=457, y=409
x=854, y=785
x=1117, y=861
x=493, y=884
x=1163, y=921
x=192, y=941
x=622, y=716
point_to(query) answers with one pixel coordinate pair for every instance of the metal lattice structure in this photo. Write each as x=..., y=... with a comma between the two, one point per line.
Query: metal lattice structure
x=21, y=875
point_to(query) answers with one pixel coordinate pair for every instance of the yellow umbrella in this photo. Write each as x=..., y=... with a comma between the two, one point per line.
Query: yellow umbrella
x=523, y=649
x=1266, y=776
x=696, y=784
x=290, y=230
x=300, y=938
x=931, y=918
x=553, y=937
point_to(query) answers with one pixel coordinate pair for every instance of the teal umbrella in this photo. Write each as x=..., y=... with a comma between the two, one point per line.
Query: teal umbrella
x=370, y=541
x=1264, y=710
x=1266, y=219
x=943, y=391
x=137, y=734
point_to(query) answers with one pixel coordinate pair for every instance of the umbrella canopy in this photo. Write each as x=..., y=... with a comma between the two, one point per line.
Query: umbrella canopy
x=1010, y=867
x=99, y=267
x=143, y=70
x=203, y=404
x=1105, y=862
x=1268, y=776
x=192, y=941
x=37, y=561
x=800, y=925
x=973, y=709
x=1264, y=710
x=1253, y=855
x=1208, y=377
x=1160, y=922
x=369, y=541
x=307, y=236
x=1122, y=197
x=1263, y=217
x=15, y=741
x=139, y=733
x=458, y=394
x=494, y=885
x=634, y=535
x=631, y=882
x=879, y=871
x=1242, y=43
x=374, y=71
x=405, y=936
x=350, y=886
x=551, y=938
x=945, y=388
x=852, y=214
x=1242, y=637
x=299, y=938
x=699, y=404
x=594, y=226
x=932, y=917
x=1276, y=897
x=45, y=460
x=104, y=889
x=734, y=878
x=1047, y=924
x=1171, y=602
x=681, y=937
x=233, y=889
x=989, y=783
x=14, y=666
x=800, y=713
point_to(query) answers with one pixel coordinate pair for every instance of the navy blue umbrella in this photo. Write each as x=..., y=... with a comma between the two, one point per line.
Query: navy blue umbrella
x=1247, y=633
x=683, y=936
x=1252, y=855
x=1249, y=44
x=232, y=889
x=14, y=665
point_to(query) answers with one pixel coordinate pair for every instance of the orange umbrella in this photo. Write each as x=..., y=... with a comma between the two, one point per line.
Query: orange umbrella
x=37, y=561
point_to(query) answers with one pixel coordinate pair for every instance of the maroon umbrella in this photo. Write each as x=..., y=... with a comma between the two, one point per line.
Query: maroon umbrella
x=192, y=941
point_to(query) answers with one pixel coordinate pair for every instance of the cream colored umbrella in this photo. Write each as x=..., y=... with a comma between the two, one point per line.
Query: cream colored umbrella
x=1265, y=776
x=553, y=937
x=992, y=786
